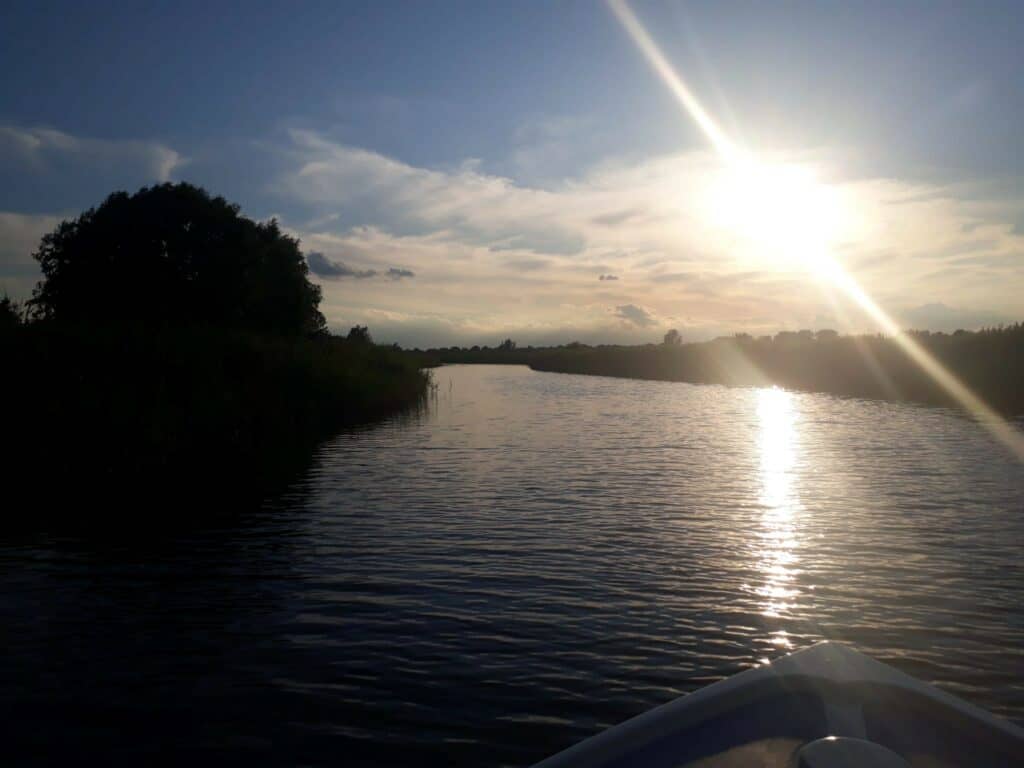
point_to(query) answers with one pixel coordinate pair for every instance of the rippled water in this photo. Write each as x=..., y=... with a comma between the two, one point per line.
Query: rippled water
x=535, y=558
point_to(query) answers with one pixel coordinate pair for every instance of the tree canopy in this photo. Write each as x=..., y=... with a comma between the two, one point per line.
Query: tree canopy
x=173, y=255
x=359, y=334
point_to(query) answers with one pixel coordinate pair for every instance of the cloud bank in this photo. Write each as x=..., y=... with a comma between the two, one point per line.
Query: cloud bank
x=465, y=253
x=503, y=254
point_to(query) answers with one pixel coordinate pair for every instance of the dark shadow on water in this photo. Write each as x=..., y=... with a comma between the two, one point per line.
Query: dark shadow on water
x=169, y=642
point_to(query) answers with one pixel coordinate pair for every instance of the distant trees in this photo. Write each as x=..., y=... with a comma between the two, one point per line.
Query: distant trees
x=989, y=361
x=172, y=255
x=507, y=345
x=672, y=338
x=359, y=334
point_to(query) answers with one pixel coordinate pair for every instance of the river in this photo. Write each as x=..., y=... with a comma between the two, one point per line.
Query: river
x=533, y=558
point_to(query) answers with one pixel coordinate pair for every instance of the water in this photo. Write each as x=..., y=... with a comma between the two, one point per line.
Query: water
x=536, y=558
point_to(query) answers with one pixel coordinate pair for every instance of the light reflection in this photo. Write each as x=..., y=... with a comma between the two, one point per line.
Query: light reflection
x=777, y=560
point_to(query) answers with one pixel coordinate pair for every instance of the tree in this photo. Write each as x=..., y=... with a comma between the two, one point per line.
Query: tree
x=507, y=345
x=10, y=314
x=172, y=255
x=359, y=334
x=673, y=339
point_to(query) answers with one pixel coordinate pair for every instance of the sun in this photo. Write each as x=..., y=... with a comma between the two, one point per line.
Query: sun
x=779, y=212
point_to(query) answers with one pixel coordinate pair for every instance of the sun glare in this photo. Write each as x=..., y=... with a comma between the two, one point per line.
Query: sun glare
x=790, y=215
x=778, y=212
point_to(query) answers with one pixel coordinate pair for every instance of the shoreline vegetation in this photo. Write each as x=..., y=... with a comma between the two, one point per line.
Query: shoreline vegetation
x=989, y=361
x=174, y=355
x=195, y=416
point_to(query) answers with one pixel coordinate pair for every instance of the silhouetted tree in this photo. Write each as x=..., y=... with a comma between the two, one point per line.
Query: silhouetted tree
x=10, y=314
x=359, y=334
x=172, y=255
x=507, y=345
x=673, y=339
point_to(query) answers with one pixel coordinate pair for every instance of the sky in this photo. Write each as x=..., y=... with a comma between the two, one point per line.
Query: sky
x=462, y=172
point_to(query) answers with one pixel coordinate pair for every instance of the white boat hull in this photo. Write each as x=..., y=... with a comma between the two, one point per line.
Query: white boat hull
x=766, y=716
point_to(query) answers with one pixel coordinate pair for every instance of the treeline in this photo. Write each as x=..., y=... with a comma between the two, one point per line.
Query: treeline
x=174, y=354
x=989, y=361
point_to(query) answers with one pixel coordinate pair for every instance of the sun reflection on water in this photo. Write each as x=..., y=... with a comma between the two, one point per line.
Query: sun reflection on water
x=777, y=558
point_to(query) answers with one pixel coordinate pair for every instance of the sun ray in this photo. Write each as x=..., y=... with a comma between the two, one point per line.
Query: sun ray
x=722, y=143
x=823, y=263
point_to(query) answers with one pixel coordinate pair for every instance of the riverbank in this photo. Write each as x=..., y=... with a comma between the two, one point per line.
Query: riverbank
x=990, y=362
x=195, y=417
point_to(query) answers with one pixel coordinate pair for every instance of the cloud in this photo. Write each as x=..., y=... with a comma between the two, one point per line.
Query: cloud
x=19, y=238
x=552, y=147
x=638, y=316
x=335, y=270
x=940, y=317
x=616, y=217
x=483, y=209
x=44, y=149
x=20, y=234
x=519, y=252
x=329, y=269
x=528, y=265
x=491, y=246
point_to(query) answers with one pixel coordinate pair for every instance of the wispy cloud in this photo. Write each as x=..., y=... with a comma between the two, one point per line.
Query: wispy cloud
x=41, y=148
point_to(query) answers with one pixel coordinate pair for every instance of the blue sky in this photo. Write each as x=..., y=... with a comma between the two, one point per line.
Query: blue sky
x=508, y=154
